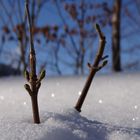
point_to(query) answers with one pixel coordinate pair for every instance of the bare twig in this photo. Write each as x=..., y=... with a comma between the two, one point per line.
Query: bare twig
x=93, y=68
x=35, y=82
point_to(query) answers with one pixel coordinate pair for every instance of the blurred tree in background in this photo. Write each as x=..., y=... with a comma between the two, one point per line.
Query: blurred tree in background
x=116, y=22
x=64, y=36
x=14, y=41
x=79, y=32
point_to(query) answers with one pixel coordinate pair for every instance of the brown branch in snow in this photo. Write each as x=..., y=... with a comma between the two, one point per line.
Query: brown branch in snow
x=34, y=81
x=93, y=68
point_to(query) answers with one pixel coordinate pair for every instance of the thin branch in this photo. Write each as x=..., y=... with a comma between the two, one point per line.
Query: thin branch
x=30, y=28
x=93, y=69
x=35, y=82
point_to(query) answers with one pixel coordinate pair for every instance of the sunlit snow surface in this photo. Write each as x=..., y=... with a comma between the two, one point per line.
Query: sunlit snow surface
x=111, y=110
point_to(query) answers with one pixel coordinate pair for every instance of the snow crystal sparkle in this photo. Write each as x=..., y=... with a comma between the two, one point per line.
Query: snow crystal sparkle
x=24, y=103
x=52, y=95
x=2, y=97
x=100, y=101
x=136, y=107
x=133, y=119
x=79, y=93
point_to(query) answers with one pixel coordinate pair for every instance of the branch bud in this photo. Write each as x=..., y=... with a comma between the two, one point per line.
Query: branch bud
x=42, y=76
x=89, y=65
x=38, y=85
x=104, y=57
x=92, y=67
x=104, y=63
x=26, y=74
x=27, y=87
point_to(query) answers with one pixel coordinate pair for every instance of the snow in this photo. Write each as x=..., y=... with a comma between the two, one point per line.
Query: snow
x=111, y=110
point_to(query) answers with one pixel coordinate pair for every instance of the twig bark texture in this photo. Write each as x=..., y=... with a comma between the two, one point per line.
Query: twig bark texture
x=93, y=68
x=31, y=76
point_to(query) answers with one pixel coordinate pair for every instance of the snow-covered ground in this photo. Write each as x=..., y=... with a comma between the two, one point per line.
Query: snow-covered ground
x=111, y=110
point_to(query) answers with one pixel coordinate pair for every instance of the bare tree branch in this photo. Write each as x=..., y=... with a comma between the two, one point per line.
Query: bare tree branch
x=93, y=69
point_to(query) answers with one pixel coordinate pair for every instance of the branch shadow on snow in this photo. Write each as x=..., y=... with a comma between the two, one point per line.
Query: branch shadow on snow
x=71, y=125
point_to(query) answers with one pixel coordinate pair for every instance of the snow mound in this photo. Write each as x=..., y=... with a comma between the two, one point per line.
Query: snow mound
x=67, y=125
x=111, y=110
